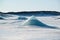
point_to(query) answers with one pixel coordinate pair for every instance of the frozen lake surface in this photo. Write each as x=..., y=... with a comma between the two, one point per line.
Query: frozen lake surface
x=12, y=30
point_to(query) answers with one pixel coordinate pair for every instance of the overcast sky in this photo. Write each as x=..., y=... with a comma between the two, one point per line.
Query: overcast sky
x=29, y=5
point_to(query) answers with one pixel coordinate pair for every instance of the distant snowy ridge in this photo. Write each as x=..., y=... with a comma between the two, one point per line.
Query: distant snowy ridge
x=36, y=13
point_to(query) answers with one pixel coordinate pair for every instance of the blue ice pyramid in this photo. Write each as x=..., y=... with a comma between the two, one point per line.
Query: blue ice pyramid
x=32, y=21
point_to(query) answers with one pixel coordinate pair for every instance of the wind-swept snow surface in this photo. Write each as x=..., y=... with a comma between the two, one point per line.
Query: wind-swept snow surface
x=12, y=29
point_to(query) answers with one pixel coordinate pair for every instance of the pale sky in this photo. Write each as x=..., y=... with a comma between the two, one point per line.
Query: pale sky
x=29, y=5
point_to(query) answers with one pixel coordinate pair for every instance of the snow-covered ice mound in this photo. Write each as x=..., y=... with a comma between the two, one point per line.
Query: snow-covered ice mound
x=32, y=21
